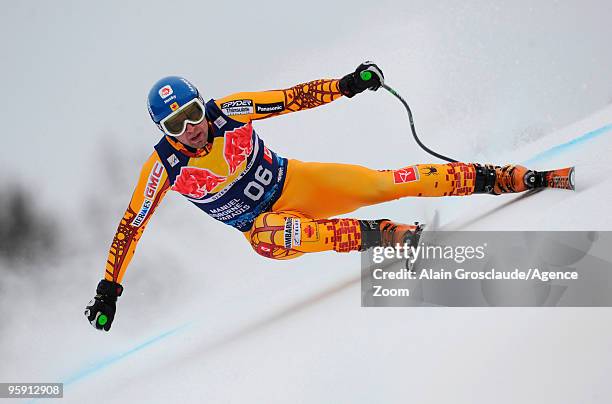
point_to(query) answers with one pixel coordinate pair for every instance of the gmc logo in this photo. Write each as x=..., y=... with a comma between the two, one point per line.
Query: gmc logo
x=153, y=182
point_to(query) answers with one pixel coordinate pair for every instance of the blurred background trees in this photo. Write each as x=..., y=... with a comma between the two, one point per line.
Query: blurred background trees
x=27, y=232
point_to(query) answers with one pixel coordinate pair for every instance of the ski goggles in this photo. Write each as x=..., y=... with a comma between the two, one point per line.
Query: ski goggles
x=176, y=123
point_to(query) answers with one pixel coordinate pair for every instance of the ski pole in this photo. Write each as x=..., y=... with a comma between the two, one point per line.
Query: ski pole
x=414, y=134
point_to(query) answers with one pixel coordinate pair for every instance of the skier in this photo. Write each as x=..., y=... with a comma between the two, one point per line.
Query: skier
x=211, y=154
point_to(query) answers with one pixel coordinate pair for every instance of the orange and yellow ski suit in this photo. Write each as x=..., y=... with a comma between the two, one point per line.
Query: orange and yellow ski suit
x=291, y=202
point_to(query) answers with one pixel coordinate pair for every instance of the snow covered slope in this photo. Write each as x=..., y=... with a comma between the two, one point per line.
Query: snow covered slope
x=587, y=146
x=302, y=336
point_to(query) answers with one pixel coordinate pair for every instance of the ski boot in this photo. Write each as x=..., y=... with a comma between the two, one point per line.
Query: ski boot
x=498, y=180
x=385, y=233
x=393, y=234
x=510, y=178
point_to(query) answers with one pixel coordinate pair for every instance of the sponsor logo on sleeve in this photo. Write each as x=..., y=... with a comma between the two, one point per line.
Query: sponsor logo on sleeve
x=165, y=91
x=237, y=107
x=154, y=179
x=407, y=174
x=142, y=214
x=149, y=193
x=269, y=108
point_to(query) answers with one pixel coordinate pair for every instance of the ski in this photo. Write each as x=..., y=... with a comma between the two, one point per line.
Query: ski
x=562, y=178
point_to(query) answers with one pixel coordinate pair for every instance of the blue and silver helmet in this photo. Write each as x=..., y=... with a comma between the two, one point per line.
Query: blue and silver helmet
x=169, y=94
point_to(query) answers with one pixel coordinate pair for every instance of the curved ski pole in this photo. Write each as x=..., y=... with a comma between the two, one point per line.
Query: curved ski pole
x=416, y=138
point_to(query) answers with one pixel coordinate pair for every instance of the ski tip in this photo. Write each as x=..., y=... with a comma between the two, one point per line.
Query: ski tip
x=562, y=178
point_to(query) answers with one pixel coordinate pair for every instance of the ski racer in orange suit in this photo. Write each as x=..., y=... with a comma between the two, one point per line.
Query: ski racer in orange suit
x=211, y=154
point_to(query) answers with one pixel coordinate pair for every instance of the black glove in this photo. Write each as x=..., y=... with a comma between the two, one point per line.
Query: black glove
x=101, y=309
x=366, y=76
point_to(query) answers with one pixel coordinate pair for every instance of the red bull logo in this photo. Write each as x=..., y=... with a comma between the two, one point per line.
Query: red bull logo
x=238, y=146
x=196, y=182
x=407, y=174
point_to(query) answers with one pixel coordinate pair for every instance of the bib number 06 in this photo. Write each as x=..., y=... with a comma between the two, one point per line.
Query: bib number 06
x=255, y=188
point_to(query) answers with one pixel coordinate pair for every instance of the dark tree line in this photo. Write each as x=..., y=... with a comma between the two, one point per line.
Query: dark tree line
x=26, y=232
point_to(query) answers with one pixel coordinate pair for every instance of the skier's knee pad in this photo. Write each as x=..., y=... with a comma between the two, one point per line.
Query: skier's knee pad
x=270, y=236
